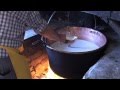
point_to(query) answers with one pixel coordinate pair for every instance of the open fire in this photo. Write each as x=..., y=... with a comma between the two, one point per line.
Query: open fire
x=40, y=68
x=51, y=75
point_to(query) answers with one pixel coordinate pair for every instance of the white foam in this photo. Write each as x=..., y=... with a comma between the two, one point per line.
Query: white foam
x=77, y=46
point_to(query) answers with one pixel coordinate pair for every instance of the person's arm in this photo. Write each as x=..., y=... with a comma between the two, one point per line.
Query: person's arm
x=35, y=21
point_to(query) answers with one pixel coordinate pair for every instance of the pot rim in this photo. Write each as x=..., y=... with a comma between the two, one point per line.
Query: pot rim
x=76, y=52
x=100, y=47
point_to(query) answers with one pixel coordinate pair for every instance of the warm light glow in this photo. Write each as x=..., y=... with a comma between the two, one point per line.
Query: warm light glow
x=40, y=69
x=51, y=75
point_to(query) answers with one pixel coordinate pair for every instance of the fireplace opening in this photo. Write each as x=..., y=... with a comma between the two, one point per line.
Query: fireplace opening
x=39, y=62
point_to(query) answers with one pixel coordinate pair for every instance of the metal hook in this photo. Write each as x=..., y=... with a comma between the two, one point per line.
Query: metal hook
x=51, y=17
x=95, y=21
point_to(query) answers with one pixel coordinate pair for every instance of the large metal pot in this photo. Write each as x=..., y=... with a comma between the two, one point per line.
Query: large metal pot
x=75, y=64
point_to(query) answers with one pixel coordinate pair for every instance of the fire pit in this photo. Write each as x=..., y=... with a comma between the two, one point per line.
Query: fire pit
x=40, y=68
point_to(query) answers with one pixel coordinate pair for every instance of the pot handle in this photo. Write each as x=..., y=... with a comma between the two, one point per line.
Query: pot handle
x=44, y=41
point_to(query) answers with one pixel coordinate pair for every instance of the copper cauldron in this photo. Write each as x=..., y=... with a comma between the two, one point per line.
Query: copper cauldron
x=75, y=64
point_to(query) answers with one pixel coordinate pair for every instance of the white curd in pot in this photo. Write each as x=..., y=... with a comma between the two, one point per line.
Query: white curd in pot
x=76, y=46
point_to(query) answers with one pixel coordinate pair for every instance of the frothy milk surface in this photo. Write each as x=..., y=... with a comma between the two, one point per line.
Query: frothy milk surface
x=77, y=46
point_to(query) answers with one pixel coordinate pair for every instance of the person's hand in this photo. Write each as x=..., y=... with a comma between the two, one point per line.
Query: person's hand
x=50, y=34
x=69, y=33
x=72, y=30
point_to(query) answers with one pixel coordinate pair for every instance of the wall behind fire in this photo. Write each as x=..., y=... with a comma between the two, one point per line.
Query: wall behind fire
x=76, y=18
